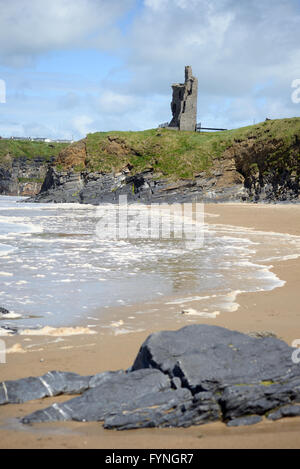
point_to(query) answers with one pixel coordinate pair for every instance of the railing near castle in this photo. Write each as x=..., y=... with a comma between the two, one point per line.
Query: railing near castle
x=199, y=127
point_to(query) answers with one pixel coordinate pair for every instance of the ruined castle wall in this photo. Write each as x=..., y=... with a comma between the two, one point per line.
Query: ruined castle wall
x=184, y=103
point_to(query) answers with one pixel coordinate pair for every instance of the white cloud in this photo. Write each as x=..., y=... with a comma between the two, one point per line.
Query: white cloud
x=83, y=125
x=233, y=48
x=159, y=5
x=30, y=28
x=245, y=55
x=112, y=102
x=155, y=4
x=217, y=37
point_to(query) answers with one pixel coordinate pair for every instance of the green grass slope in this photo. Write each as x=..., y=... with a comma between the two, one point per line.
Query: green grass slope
x=10, y=149
x=184, y=154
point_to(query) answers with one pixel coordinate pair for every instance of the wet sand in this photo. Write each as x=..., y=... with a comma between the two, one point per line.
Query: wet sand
x=277, y=311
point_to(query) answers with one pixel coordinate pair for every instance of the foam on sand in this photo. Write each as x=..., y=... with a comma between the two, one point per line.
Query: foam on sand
x=127, y=331
x=193, y=312
x=16, y=348
x=188, y=300
x=10, y=315
x=58, y=332
x=5, y=332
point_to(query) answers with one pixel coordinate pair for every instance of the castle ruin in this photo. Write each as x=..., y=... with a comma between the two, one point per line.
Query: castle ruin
x=184, y=103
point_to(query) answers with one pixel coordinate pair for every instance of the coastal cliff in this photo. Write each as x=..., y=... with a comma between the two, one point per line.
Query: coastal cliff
x=259, y=163
x=24, y=165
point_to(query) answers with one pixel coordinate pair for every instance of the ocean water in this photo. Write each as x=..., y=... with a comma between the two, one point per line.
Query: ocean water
x=55, y=270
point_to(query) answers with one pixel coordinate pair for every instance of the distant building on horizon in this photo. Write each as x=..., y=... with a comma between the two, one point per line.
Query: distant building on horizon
x=39, y=139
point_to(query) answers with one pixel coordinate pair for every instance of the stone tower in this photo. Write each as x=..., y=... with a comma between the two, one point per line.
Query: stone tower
x=184, y=103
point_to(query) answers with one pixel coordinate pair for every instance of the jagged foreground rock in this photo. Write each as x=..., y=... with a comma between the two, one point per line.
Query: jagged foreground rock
x=188, y=377
x=51, y=384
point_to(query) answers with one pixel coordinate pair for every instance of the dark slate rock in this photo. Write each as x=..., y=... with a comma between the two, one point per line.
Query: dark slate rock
x=287, y=411
x=3, y=311
x=188, y=377
x=166, y=409
x=116, y=392
x=206, y=358
x=22, y=175
x=241, y=422
x=9, y=329
x=152, y=410
x=101, y=378
x=176, y=383
x=99, y=188
x=51, y=384
x=237, y=401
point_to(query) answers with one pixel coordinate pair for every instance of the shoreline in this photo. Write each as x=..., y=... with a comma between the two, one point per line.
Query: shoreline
x=275, y=311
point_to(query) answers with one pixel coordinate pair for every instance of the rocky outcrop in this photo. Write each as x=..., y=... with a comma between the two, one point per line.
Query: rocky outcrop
x=248, y=171
x=23, y=176
x=254, y=164
x=49, y=385
x=224, y=184
x=193, y=376
x=206, y=357
x=73, y=155
x=271, y=171
x=7, y=185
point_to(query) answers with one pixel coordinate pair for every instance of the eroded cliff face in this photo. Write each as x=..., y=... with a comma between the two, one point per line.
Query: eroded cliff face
x=246, y=172
x=271, y=170
x=73, y=156
x=256, y=164
x=22, y=176
x=224, y=183
x=24, y=164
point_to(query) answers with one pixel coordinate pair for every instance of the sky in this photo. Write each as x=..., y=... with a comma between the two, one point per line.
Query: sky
x=71, y=67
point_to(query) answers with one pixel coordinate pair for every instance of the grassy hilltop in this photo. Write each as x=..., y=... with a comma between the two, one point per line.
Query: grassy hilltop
x=258, y=150
x=268, y=146
x=10, y=149
x=24, y=164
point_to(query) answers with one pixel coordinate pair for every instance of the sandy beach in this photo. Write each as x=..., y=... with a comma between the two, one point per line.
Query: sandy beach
x=276, y=311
